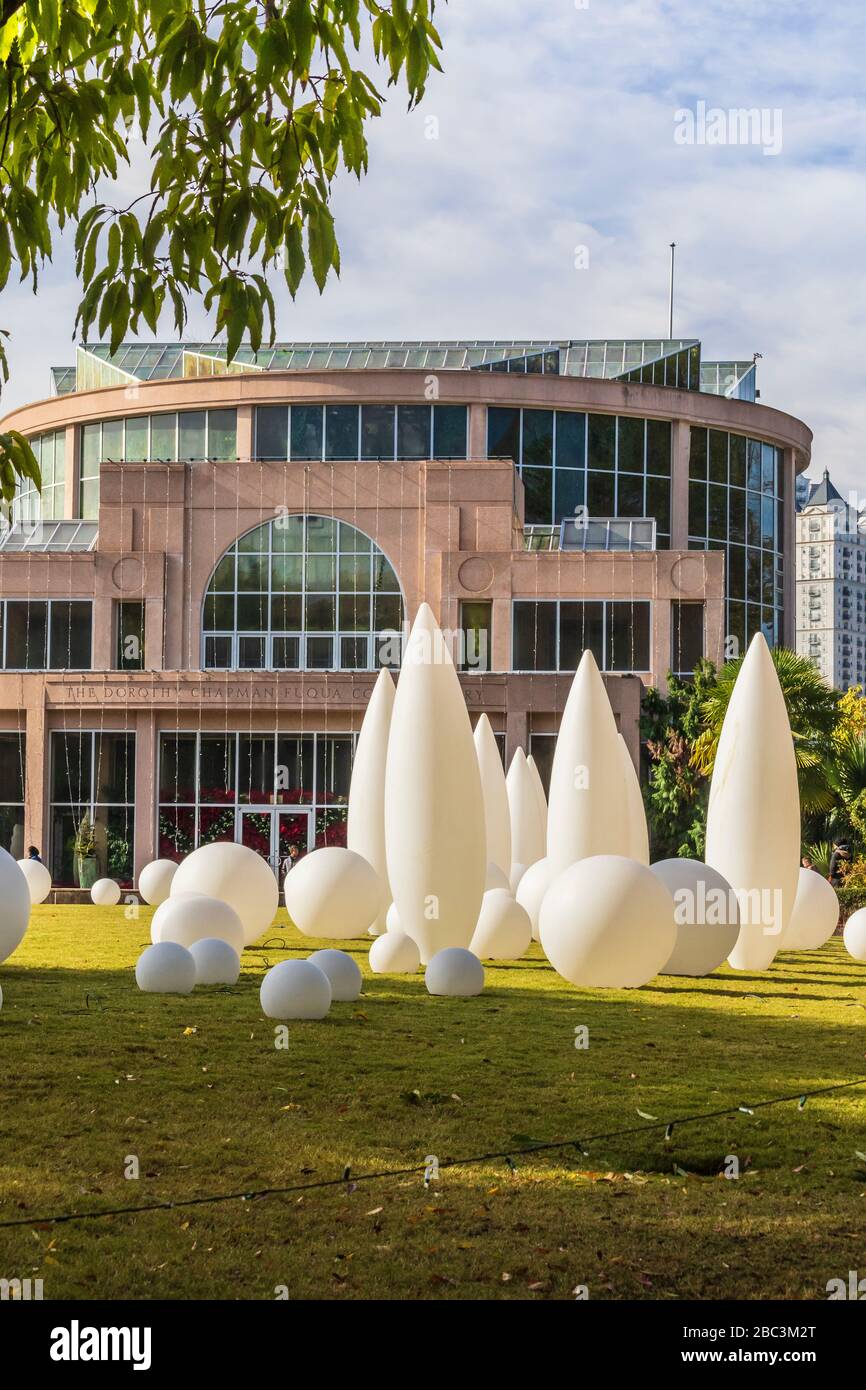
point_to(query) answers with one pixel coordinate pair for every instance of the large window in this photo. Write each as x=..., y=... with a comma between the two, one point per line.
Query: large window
x=183, y=436
x=92, y=799
x=13, y=764
x=553, y=635
x=46, y=634
x=129, y=632
x=687, y=636
x=302, y=593
x=46, y=505
x=333, y=432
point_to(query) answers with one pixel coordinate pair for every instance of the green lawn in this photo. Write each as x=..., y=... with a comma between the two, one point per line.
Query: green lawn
x=94, y=1071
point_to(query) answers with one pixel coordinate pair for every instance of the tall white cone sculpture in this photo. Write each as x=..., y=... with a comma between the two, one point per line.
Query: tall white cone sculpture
x=527, y=828
x=365, y=831
x=434, y=808
x=539, y=791
x=638, y=832
x=496, y=814
x=753, y=818
x=587, y=802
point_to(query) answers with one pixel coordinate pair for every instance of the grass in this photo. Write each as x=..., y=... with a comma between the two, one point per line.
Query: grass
x=94, y=1071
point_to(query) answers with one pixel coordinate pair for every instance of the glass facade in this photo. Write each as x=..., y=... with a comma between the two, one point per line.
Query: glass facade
x=371, y=432
x=92, y=788
x=13, y=765
x=46, y=634
x=30, y=504
x=552, y=635
x=178, y=436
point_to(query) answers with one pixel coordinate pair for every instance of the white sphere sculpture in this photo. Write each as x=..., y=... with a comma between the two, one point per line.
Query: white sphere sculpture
x=188, y=917
x=14, y=904
x=236, y=875
x=165, y=968
x=496, y=878
x=105, y=892
x=607, y=922
x=504, y=930
x=155, y=879
x=454, y=971
x=531, y=890
x=216, y=962
x=815, y=916
x=295, y=989
x=392, y=919
x=394, y=953
x=705, y=913
x=344, y=974
x=854, y=934
x=38, y=879
x=334, y=893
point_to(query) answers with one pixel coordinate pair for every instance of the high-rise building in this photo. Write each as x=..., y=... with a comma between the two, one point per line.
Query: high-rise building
x=831, y=585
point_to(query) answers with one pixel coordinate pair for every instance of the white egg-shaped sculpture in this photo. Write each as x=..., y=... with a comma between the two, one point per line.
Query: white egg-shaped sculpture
x=706, y=916
x=456, y=972
x=753, y=815
x=365, y=826
x=343, y=973
x=165, y=968
x=854, y=934
x=539, y=792
x=504, y=930
x=497, y=817
x=216, y=962
x=14, y=904
x=38, y=879
x=334, y=893
x=392, y=919
x=815, y=916
x=105, y=892
x=531, y=890
x=295, y=989
x=434, y=809
x=607, y=922
x=496, y=878
x=517, y=872
x=188, y=917
x=638, y=831
x=238, y=876
x=527, y=822
x=394, y=953
x=155, y=880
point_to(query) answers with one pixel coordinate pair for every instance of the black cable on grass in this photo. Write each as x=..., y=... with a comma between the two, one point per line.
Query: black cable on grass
x=351, y=1180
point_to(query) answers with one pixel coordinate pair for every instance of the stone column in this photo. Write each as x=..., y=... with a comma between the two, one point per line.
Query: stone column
x=680, y=445
x=146, y=789
x=35, y=769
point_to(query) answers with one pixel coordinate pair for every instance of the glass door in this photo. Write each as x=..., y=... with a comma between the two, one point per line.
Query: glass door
x=282, y=836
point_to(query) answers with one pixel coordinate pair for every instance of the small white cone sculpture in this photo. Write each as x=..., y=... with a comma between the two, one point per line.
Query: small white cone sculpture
x=638, y=831
x=753, y=817
x=539, y=791
x=497, y=817
x=587, y=813
x=815, y=916
x=504, y=930
x=434, y=808
x=527, y=826
x=365, y=829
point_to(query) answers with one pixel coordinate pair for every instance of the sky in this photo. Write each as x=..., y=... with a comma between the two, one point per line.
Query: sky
x=536, y=190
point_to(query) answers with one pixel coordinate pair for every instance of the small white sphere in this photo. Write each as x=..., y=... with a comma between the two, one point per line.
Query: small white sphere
x=392, y=919
x=517, y=872
x=531, y=890
x=705, y=913
x=815, y=915
x=155, y=880
x=456, y=972
x=343, y=973
x=216, y=962
x=504, y=930
x=295, y=989
x=165, y=968
x=38, y=879
x=236, y=875
x=496, y=877
x=105, y=892
x=189, y=917
x=607, y=922
x=854, y=934
x=395, y=953
x=334, y=893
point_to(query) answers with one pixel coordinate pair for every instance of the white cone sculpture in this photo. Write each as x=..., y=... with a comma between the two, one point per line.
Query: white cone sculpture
x=497, y=817
x=527, y=825
x=753, y=818
x=531, y=890
x=815, y=916
x=365, y=830
x=434, y=809
x=539, y=791
x=587, y=803
x=638, y=831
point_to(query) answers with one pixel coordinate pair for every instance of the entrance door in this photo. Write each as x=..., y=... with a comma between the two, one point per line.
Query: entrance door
x=282, y=835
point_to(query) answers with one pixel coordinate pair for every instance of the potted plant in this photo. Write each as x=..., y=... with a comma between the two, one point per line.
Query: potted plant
x=84, y=849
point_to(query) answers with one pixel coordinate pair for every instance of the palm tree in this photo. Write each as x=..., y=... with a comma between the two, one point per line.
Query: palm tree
x=846, y=780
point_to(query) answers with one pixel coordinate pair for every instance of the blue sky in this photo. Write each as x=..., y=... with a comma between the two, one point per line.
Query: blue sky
x=556, y=131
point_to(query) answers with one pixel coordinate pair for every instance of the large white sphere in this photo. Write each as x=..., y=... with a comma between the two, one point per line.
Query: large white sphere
x=454, y=971
x=343, y=973
x=155, y=879
x=394, y=953
x=38, y=879
x=238, y=876
x=706, y=916
x=504, y=930
x=334, y=893
x=216, y=962
x=165, y=968
x=189, y=917
x=517, y=872
x=531, y=890
x=496, y=878
x=815, y=916
x=854, y=934
x=607, y=923
x=105, y=892
x=295, y=989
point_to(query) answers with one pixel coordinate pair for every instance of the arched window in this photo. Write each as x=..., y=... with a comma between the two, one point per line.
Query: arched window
x=302, y=593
